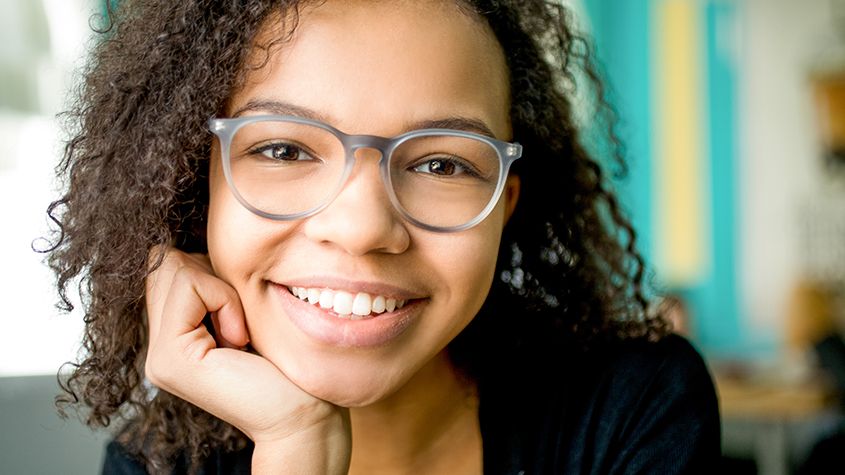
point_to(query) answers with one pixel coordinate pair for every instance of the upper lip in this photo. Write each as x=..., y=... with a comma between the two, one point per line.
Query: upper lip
x=354, y=286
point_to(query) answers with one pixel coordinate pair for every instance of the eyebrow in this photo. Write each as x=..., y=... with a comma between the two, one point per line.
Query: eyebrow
x=467, y=124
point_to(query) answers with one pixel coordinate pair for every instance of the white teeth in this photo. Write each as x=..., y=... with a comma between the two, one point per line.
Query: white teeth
x=313, y=295
x=342, y=303
x=346, y=305
x=362, y=305
x=327, y=299
x=378, y=304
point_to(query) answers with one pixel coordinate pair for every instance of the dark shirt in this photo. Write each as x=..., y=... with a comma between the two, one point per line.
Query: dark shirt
x=634, y=407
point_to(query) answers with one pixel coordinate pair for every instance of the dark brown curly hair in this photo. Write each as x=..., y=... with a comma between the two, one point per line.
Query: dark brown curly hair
x=135, y=174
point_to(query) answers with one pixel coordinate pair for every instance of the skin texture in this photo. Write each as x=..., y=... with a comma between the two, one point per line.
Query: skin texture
x=411, y=409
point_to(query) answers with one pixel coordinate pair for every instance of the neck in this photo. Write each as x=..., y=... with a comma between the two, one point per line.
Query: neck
x=430, y=425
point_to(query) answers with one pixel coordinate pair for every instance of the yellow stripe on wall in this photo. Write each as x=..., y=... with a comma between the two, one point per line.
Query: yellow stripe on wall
x=681, y=216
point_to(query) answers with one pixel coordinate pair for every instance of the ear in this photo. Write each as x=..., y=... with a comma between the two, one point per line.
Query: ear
x=511, y=195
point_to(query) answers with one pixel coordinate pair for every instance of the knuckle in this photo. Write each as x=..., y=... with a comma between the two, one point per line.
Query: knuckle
x=165, y=257
x=181, y=274
x=184, y=276
x=161, y=265
x=158, y=256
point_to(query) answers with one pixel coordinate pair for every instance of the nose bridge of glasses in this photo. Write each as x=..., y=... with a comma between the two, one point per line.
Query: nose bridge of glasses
x=366, y=172
x=366, y=145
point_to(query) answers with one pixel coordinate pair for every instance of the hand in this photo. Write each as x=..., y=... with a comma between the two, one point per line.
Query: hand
x=241, y=388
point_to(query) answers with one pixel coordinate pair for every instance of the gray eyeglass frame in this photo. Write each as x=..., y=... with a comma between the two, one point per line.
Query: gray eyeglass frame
x=225, y=129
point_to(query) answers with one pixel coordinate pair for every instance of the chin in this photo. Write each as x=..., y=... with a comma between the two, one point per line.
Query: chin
x=341, y=391
x=344, y=384
x=343, y=397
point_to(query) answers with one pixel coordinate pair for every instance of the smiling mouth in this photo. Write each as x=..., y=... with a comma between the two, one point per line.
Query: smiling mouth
x=357, y=306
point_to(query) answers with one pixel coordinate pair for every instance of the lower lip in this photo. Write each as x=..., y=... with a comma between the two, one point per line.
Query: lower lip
x=329, y=329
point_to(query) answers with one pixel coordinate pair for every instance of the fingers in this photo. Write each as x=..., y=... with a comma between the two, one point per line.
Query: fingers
x=231, y=332
x=196, y=277
x=192, y=294
x=183, y=358
x=181, y=342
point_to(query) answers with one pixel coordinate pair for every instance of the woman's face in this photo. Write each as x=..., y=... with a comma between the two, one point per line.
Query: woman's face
x=366, y=68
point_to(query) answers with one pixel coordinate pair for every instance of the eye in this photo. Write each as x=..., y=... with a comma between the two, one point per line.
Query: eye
x=442, y=167
x=285, y=152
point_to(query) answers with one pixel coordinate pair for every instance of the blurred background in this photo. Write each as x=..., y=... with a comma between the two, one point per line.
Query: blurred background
x=733, y=112
x=733, y=116
x=42, y=43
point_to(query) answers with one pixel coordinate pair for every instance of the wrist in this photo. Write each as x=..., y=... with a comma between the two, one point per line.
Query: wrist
x=323, y=448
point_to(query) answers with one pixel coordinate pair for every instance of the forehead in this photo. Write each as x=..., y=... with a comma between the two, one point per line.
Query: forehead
x=368, y=66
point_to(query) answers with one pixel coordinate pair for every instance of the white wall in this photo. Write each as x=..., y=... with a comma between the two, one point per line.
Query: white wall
x=781, y=173
x=42, y=43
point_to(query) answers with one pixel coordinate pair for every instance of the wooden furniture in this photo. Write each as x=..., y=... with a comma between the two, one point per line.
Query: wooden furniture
x=773, y=422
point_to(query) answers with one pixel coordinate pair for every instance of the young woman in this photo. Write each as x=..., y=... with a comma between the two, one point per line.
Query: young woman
x=361, y=237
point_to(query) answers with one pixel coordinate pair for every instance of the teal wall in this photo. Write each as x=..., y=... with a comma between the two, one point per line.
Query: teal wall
x=621, y=34
x=622, y=31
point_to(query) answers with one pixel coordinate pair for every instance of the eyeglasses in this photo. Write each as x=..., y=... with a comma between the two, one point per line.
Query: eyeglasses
x=288, y=167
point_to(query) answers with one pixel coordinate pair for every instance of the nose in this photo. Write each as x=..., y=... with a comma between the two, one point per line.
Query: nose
x=361, y=219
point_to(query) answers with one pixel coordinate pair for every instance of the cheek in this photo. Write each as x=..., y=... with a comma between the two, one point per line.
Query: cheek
x=225, y=215
x=240, y=244
x=465, y=263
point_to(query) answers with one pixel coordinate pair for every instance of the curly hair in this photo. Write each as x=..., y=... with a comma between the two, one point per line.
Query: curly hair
x=136, y=176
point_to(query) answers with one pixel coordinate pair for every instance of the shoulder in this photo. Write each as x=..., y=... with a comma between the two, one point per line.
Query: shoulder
x=622, y=373
x=648, y=407
x=627, y=407
x=667, y=369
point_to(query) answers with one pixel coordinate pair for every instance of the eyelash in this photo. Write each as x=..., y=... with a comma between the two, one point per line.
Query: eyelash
x=261, y=149
x=465, y=168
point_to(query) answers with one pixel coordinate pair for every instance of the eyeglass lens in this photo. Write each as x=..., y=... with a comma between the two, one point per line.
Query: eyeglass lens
x=285, y=168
